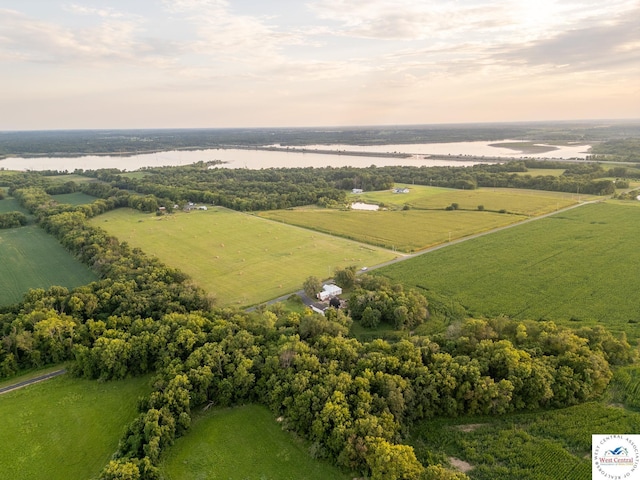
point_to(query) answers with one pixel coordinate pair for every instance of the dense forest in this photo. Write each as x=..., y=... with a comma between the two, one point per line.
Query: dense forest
x=353, y=401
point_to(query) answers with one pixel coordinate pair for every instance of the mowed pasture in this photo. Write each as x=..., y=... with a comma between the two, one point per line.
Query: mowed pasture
x=31, y=258
x=240, y=259
x=578, y=267
x=403, y=230
x=76, y=198
x=511, y=200
x=65, y=427
x=242, y=443
x=531, y=446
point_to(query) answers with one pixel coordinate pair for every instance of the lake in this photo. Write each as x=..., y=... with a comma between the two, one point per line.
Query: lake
x=257, y=159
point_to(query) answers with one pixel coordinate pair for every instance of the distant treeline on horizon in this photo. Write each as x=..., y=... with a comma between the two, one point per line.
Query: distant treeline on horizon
x=132, y=141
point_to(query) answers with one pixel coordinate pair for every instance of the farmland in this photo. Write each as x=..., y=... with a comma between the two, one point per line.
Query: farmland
x=533, y=446
x=31, y=258
x=243, y=443
x=76, y=198
x=11, y=205
x=241, y=259
x=65, y=427
x=405, y=231
x=572, y=268
x=518, y=201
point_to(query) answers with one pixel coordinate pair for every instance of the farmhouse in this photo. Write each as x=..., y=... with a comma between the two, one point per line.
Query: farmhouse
x=401, y=190
x=328, y=291
x=357, y=190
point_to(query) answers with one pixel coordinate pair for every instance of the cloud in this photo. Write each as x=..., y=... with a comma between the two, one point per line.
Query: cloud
x=612, y=43
x=114, y=39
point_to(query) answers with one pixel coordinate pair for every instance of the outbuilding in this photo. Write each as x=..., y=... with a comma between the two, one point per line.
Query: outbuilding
x=329, y=290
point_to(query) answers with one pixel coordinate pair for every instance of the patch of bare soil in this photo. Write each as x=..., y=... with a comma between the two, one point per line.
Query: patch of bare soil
x=460, y=464
x=469, y=427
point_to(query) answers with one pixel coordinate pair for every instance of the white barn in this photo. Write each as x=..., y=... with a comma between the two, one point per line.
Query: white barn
x=329, y=290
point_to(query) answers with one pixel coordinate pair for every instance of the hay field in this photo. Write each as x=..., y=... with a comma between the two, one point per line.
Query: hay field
x=512, y=200
x=405, y=231
x=240, y=259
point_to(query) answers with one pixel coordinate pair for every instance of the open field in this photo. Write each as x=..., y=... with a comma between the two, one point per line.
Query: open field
x=532, y=446
x=405, y=231
x=243, y=443
x=76, y=198
x=71, y=177
x=542, y=172
x=522, y=202
x=10, y=204
x=577, y=267
x=240, y=259
x=65, y=428
x=31, y=258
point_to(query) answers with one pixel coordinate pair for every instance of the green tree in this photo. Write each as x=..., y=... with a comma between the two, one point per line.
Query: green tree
x=312, y=286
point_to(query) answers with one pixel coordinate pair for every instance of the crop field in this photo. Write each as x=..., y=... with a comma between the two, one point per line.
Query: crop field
x=577, y=267
x=72, y=177
x=532, y=446
x=243, y=443
x=76, y=198
x=31, y=258
x=240, y=259
x=65, y=428
x=405, y=231
x=518, y=201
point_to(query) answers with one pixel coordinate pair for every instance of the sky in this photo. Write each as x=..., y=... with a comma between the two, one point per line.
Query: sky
x=300, y=63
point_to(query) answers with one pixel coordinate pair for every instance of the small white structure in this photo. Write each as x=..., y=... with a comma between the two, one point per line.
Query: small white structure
x=329, y=290
x=202, y=207
x=401, y=190
x=357, y=190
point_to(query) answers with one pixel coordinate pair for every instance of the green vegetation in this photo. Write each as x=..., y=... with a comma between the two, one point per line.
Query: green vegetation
x=32, y=259
x=405, y=231
x=542, y=172
x=572, y=268
x=76, y=198
x=10, y=204
x=534, y=446
x=243, y=443
x=241, y=259
x=512, y=200
x=71, y=177
x=65, y=428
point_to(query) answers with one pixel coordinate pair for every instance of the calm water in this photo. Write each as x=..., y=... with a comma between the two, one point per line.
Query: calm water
x=256, y=159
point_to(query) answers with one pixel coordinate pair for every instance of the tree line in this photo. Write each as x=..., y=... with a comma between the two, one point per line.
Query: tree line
x=353, y=401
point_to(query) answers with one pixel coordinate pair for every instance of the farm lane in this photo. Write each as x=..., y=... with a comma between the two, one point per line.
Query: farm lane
x=31, y=381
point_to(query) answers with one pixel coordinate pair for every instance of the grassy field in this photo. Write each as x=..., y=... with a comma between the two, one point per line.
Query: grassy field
x=64, y=428
x=405, y=231
x=72, y=177
x=577, y=267
x=240, y=259
x=76, y=198
x=522, y=202
x=243, y=443
x=542, y=172
x=533, y=446
x=31, y=258
x=10, y=204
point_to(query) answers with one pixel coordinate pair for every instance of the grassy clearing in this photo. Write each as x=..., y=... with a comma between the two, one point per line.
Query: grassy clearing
x=243, y=443
x=532, y=446
x=577, y=268
x=31, y=258
x=542, y=172
x=519, y=201
x=405, y=231
x=10, y=204
x=65, y=427
x=76, y=198
x=72, y=177
x=240, y=259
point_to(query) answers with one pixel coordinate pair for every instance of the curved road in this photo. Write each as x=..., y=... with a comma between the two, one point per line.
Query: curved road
x=31, y=381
